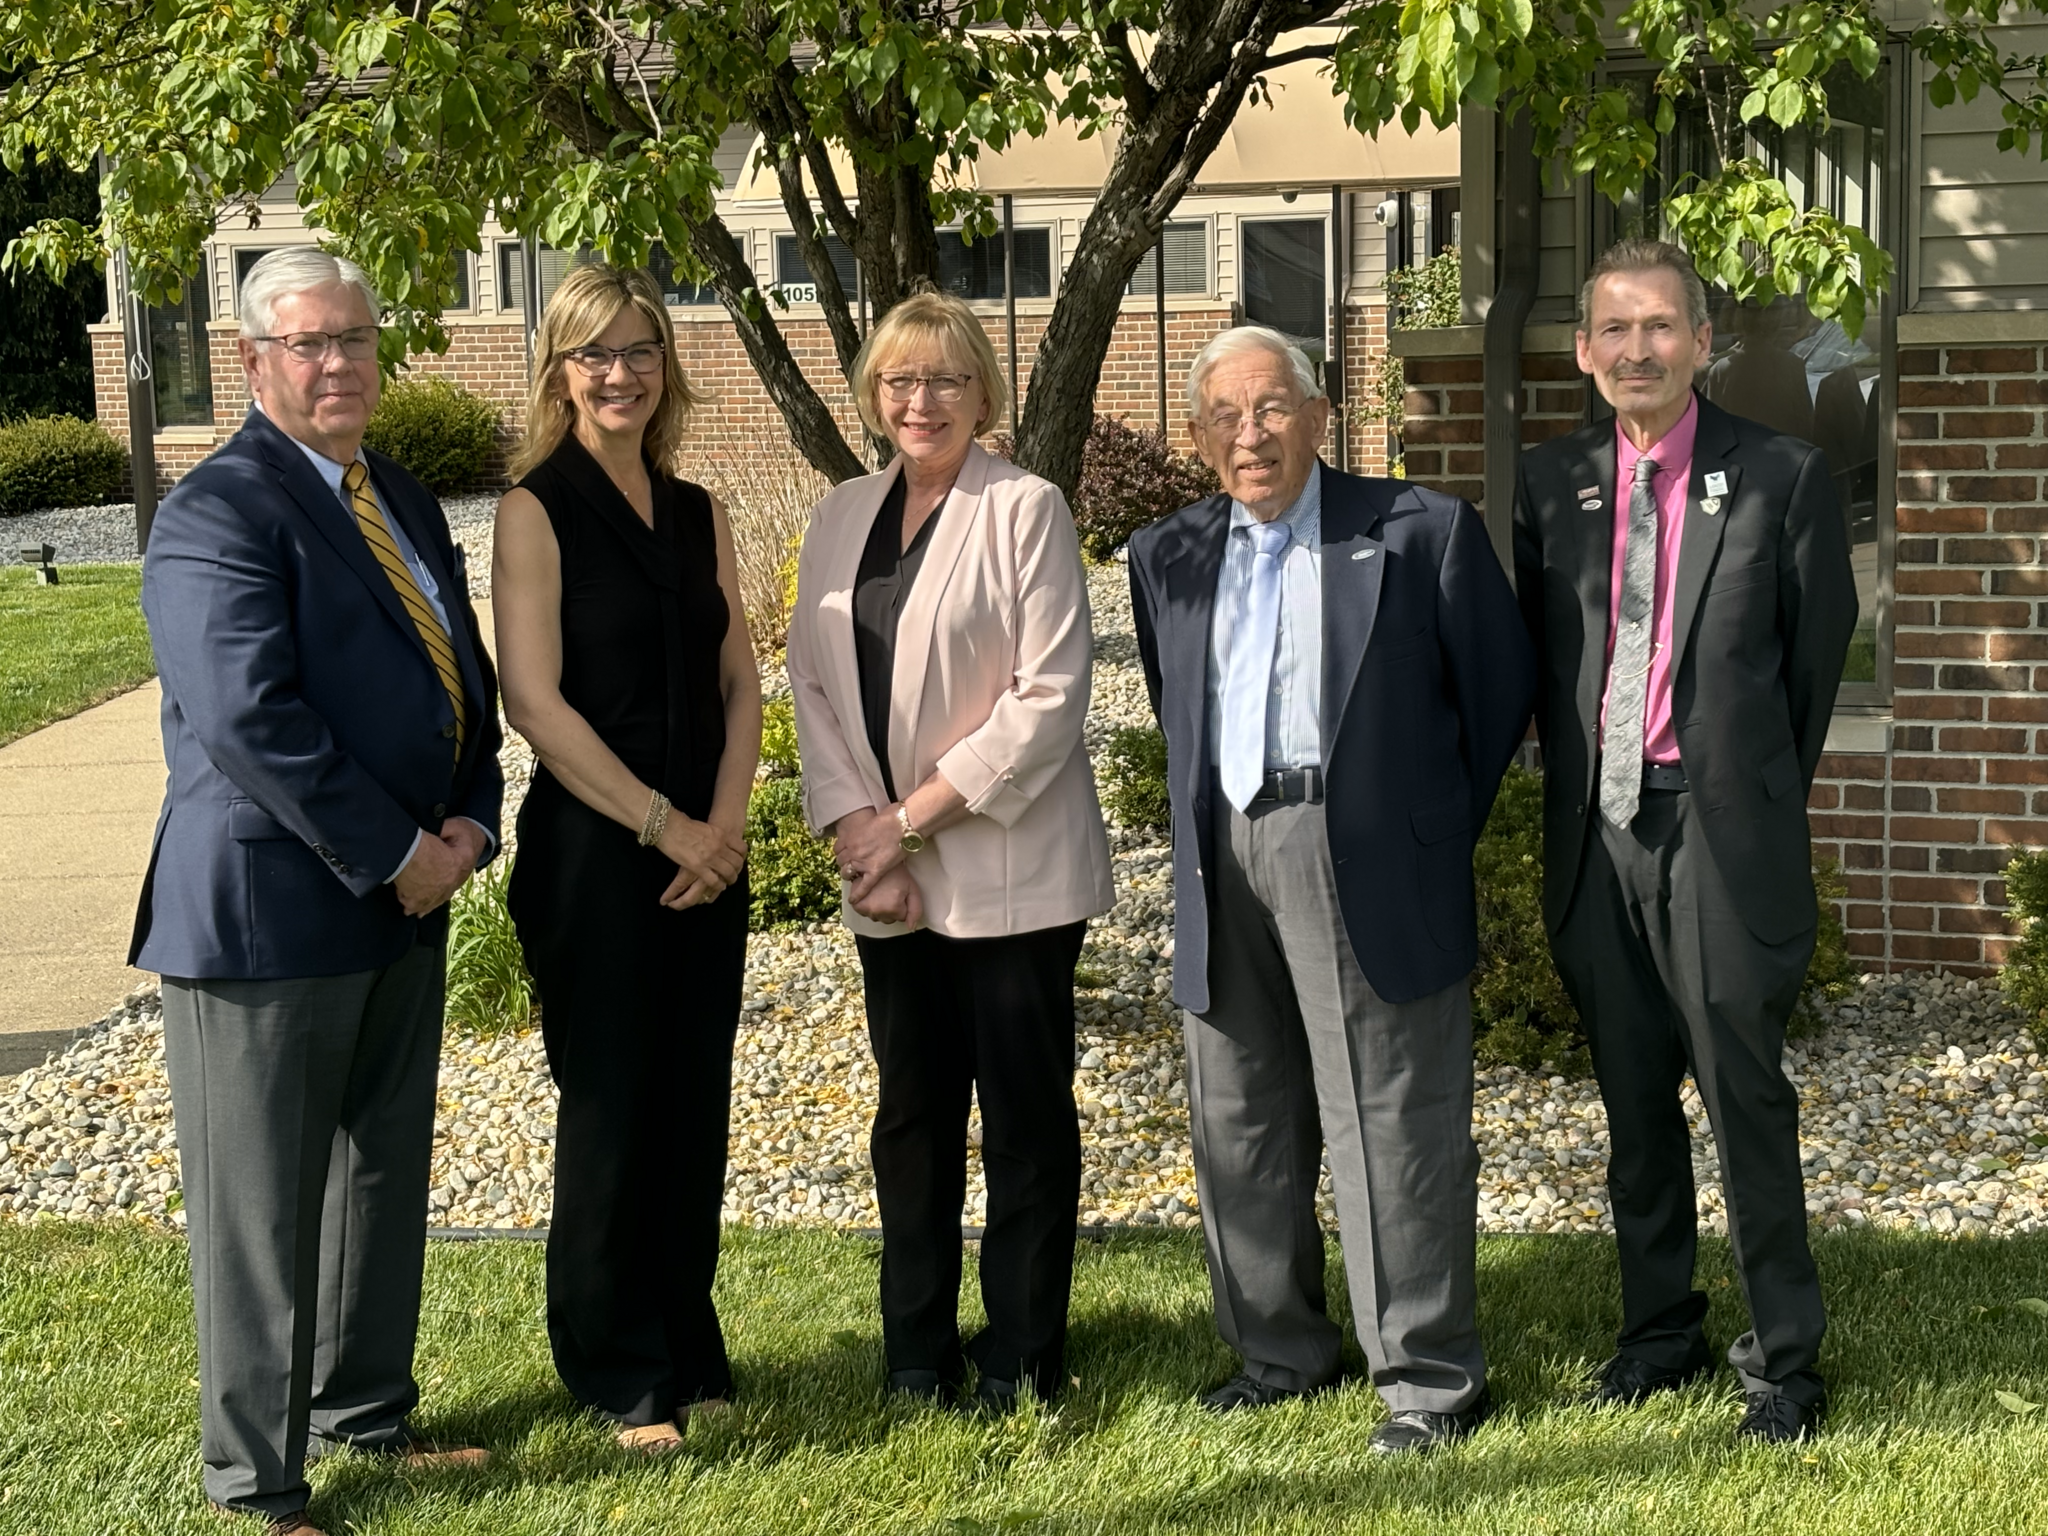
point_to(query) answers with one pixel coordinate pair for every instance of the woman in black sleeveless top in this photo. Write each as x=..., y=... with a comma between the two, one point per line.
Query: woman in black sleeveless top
x=625, y=662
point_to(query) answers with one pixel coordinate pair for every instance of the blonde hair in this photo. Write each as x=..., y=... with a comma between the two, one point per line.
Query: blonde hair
x=928, y=316
x=589, y=299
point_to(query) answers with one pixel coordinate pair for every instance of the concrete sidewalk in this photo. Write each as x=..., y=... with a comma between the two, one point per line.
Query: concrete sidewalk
x=78, y=802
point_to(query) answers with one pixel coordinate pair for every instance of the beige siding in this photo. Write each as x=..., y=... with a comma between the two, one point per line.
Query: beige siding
x=1557, y=234
x=1368, y=263
x=1980, y=212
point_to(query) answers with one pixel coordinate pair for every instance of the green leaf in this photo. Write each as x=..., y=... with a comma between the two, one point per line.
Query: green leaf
x=1788, y=103
x=2033, y=1304
x=2012, y=1403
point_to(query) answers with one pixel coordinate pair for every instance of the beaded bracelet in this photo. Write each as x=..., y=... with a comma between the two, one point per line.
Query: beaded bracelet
x=656, y=822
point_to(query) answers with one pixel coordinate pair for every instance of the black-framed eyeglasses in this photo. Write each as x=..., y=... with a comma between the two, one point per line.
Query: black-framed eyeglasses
x=641, y=357
x=946, y=388
x=358, y=343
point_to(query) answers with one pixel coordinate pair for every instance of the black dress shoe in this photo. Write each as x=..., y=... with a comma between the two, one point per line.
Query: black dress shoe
x=992, y=1395
x=1627, y=1380
x=1243, y=1391
x=1773, y=1418
x=924, y=1386
x=1417, y=1429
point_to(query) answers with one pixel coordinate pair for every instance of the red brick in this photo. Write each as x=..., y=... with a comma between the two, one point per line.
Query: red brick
x=1935, y=392
x=1867, y=946
x=1859, y=916
x=2029, y=834
x=2022, y=455
x=2018, y=709
x=1941, y=519
x=1913, y=613
x=2032, y=581
x=1450, y=429
x=1910, y=797
x=1922, y=642
x=1991, y=360
x=1919, y=425
x=2019, y=519
x=1994, y=487
x=1834, y=824
x=1843, y=765
x=1864, y=886
x=1422, y=402
x=1943, y=456
x=1986, y=615
x=1964, y=679
x=1981, y=802
x=2023, y=391
x=1932, y=888
x=1950, y=950
x=1862, y=797
x=1925, y=361
x=2018, y=770
x=1573, y=400
x=1929, y=829
x=1936, y=580
x=1940, y=768
x=1420, y=462
x=1825, y=797
x=1446, y=370
x=1996, y=950
x=1920, y=487
x=1912, y=919
x=2019, y=647
x=1550, y=366
x=1988, y=552
x=1979, y=738
x=1935, y=706
x=1466, y=402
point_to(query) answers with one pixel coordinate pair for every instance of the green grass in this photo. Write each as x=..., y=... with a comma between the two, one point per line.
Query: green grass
x=98, y=1431
x=67, y=647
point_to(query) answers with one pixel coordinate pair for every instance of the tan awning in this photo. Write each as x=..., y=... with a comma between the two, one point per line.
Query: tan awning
x=1299, y=140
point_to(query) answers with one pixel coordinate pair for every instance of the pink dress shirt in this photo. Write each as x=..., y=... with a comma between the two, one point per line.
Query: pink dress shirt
x=1673, y=453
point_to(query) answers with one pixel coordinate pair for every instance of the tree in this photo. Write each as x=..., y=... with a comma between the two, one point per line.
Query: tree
x=594, y=121
x=45, y=355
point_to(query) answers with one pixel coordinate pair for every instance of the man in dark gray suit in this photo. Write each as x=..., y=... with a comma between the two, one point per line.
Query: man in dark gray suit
x=1685, y=574
x=1342, y=677
x=330, y=724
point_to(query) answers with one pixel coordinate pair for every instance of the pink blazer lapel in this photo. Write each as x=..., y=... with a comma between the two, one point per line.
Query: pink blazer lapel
x=914, y=631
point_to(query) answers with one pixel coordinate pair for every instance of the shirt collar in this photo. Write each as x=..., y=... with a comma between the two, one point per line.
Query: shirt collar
x=329, y=470
x=1304, y=518
x=1672, y=451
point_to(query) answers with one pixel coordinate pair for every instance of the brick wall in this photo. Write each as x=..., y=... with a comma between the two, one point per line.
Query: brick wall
x=1923, y=828
x=1922, y=811
x=490, y=359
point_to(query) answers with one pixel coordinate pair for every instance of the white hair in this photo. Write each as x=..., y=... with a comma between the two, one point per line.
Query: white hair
x=294, y=269
x=1250, y=338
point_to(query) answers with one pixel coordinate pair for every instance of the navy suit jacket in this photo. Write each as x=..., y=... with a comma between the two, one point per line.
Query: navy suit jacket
x=307, y=734
x=1428, y=681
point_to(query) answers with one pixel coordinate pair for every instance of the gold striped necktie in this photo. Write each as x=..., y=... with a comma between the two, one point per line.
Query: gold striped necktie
x=377, y=534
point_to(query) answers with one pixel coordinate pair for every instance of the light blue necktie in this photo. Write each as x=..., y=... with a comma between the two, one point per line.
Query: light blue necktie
x=1251, y=667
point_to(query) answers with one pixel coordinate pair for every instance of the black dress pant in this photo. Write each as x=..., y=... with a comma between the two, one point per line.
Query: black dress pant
x=995, y=1015
x=1668, y=978
x=639, y=1006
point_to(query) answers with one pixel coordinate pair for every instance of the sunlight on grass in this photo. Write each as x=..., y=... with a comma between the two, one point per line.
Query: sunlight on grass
x=98, y=1431
x=67, y=647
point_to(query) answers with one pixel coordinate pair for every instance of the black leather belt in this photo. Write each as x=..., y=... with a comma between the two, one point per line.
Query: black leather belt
x=1664, y=776
x=1292, y=786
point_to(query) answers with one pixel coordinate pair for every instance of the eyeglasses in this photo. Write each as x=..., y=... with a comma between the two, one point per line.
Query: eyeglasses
x=358, y=343
x=1269, y=418
x=596, y=362
x=946, y=388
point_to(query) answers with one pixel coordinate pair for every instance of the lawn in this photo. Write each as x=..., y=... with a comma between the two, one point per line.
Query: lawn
x=97, y=1409
x=66, y=647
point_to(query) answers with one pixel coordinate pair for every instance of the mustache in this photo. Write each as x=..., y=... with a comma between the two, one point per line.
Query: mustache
x=1639, y=370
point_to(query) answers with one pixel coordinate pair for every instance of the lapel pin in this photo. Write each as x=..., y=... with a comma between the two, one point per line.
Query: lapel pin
x=1586, y=493
x=1717, y=484
x=1592, y=506
x=1711, y=505
x=1364, y=554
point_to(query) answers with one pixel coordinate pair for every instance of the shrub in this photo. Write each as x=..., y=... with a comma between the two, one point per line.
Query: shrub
x=2024, y=976
x=1521, y=1014
x=489, y=988
x=1830, y=974
x=1134, y=776
x=768, y=501
x=436, y=429
x=778, y=739
x=1128, y=479
x=58, y=461
x=789, y=869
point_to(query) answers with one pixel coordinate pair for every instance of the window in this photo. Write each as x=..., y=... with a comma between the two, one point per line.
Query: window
x=794, y=278
x=1187, y=261
x=554, y=266
x=676, y=288
x=1776, y=363
x=976, y=271
x=245, y=258
x=178, y=358
x=1285, y=280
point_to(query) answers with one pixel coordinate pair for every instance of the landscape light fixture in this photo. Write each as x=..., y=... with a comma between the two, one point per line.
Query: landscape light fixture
x=40, y=558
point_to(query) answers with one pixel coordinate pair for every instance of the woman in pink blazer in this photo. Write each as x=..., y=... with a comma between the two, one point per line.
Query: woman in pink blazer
x=939, y=655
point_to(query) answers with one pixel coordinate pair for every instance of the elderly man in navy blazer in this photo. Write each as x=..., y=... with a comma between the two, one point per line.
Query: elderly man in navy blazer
x=1342, y=676
x=330, y=726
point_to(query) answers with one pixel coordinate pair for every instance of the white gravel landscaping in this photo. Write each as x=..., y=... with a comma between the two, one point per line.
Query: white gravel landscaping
x=1925, y=1104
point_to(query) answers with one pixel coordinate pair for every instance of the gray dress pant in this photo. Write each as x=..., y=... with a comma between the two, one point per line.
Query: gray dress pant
x=1669, y=979
x=1298, y=1052
x=305, y=1117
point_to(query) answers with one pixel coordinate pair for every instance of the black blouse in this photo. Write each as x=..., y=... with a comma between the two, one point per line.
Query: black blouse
x=887, y=573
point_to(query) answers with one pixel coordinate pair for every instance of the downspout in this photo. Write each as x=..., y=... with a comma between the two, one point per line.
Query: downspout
x=1340, y=272
x=1009, y=304
x=1505, y=319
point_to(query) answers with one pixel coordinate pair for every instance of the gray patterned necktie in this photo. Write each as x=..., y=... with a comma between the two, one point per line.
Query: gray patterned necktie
x=1628, y=674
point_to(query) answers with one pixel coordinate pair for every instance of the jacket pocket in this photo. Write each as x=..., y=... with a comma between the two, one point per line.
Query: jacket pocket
x=1781, y=774
x=248, y=822
x=1440, y=819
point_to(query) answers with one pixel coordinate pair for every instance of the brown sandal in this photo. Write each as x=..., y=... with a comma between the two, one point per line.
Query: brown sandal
x=651, y=1439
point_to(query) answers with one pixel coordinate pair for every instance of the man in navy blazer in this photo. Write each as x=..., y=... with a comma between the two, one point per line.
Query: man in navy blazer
x=1342, y=676
x=330, y=726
